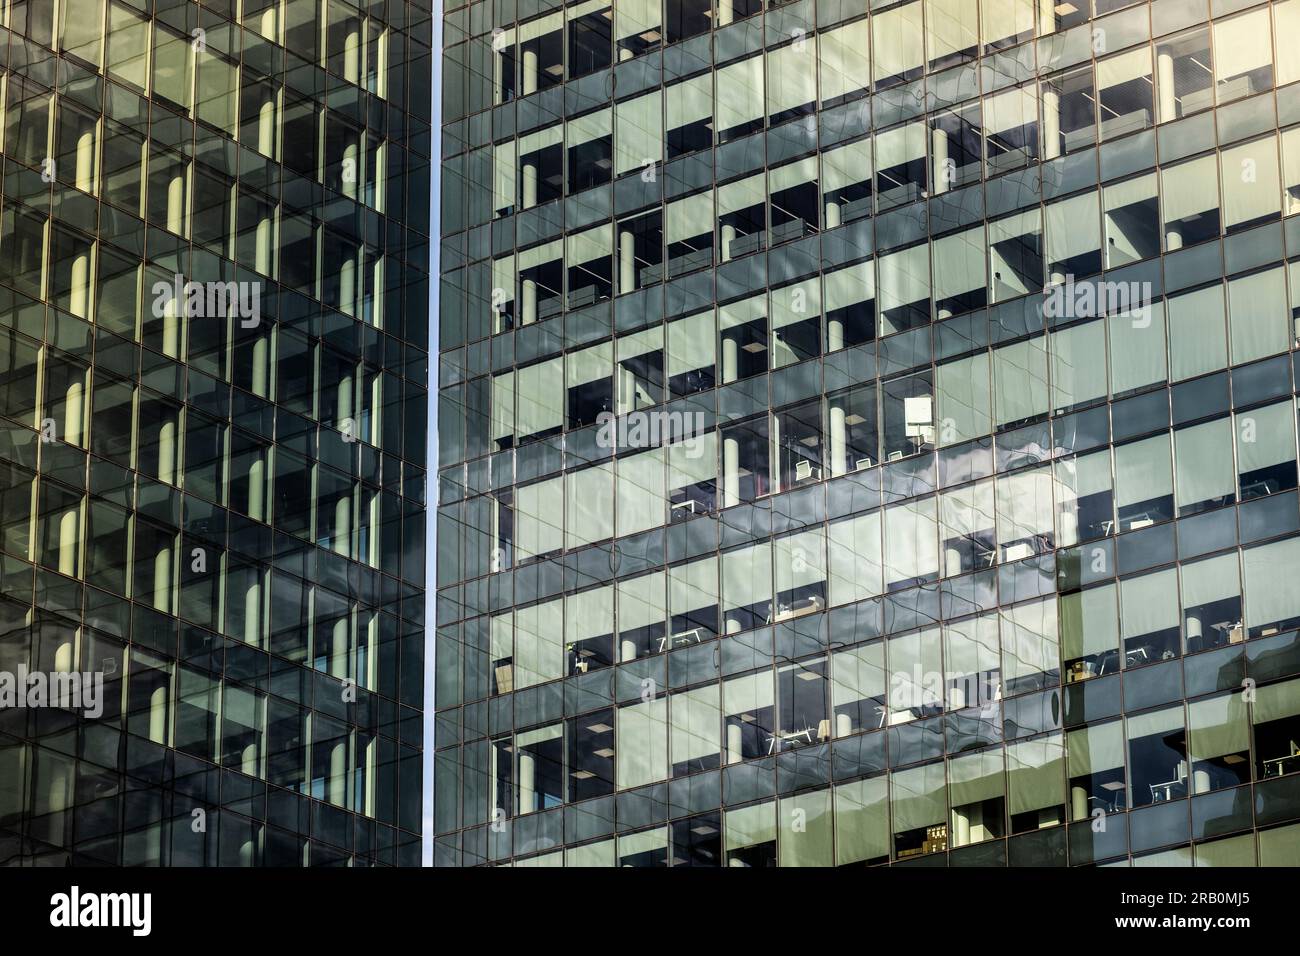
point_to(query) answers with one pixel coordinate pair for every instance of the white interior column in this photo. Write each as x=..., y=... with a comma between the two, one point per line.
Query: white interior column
x=162, y=580
x=370, y=784
x=338, y=774
x=1046, y=17
x=843, y=725
x=158, y=715
x=725, y=12
x=527, y=780
x=257, y=489
x=258, y=372
x=734, y=743
x=1194, y=628
x=339, y=649
x=344, y=398
x=728, y=237
x=74, y=405
x=63, y=658
x=348, y=287
x=262, y=260
x=1079, y=803
x=960, y=826
x=1051, y=123
x=1165, y=86
x=266, y=128
x=69, y=535
x=371, y=556
x=85, y=168
x=626, y=260
x=732, y=624
x=253, y=614
x=79, y=293
x=343, y=525
x=57, y=797
x=774, y=456
x=371, y=670
x=167, y=451
x=832, y=214
x=834, y=334
x=377, y=297
x=1200, y=781
x=171, y=332
x=627, y=651
x=839, y=442
x=527, y=301
x=730, y=470
x=730, y=359
x=529, y=72
x=939, y=147
x=176, y=204
x=730, y=444
x=266, y=25
x=350, y=152
x=352, y=56
x=1173, y=236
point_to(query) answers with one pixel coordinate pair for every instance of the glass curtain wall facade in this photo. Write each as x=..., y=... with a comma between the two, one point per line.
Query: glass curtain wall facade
x=215, y=505
x=868, y=433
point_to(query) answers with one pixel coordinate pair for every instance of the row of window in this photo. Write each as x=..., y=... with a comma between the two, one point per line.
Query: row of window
x=535, y=56
x=363, y=403
x=848, y=825
x=1144, y=619
x=1172, y=752
x=1178, y=338
x=1125, y=222
x=68, y=140
x=188, y=61
x=1152, y=480
x=908, y=39
x=192, y=575
x=1128, y=94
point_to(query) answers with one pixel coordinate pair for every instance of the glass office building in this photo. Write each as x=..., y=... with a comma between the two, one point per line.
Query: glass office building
x=213, y=502
x=868, y=433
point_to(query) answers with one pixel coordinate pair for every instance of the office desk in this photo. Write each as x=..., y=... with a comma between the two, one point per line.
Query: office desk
x=1169, y=790
x=1279, y=766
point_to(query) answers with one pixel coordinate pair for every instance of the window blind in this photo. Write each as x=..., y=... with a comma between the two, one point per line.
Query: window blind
x=1096, y=749
x=855, y=559
x=1142, y=471
x=1149, y=603
x=845, y=59
x=792, y=77
x=589, y=614
x=642, y=749
x=641, y=491
x=1203, y=456
x=1089, y=623
x=591, y=505
x=539, y=518
x=1217, y=727
x=1034, y=775
x=696, y=724
x=740, y=94
x=640, y=133
x=538, y=653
